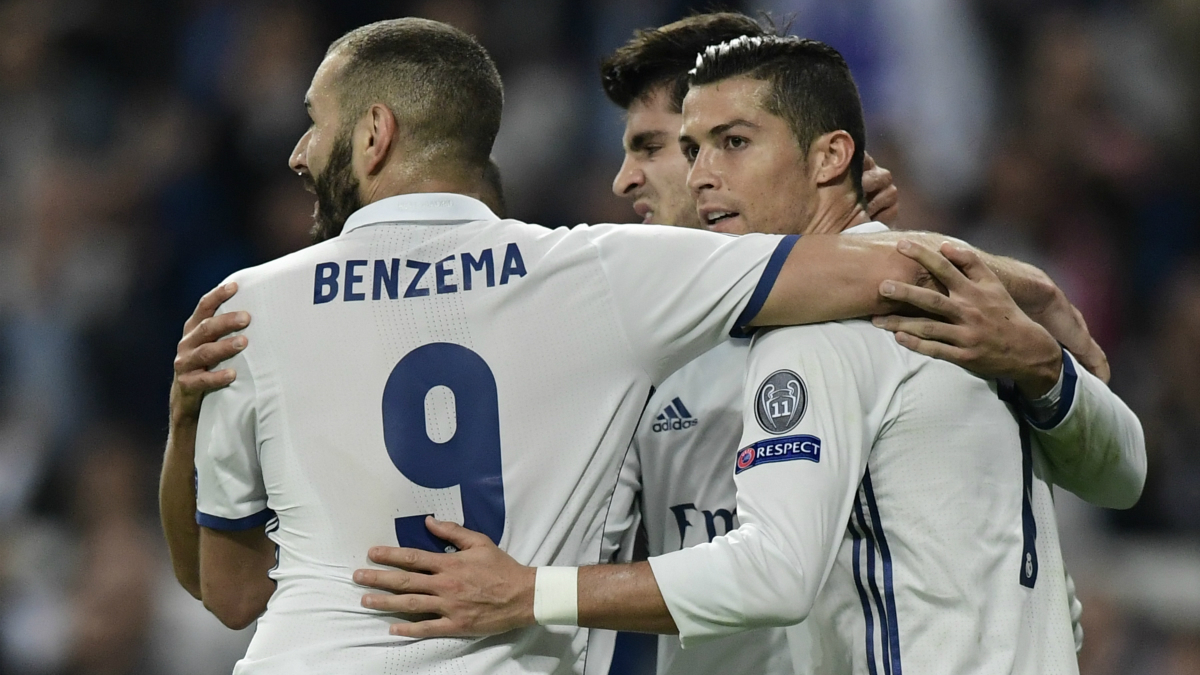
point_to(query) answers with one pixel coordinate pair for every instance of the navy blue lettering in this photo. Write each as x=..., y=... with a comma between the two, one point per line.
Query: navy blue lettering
x=681, y=519
x=385, y=279
x=351, y=279
x=421, y=267
x=483, y=263
x=513, y=264
x=326, y=286
x=710, y=518
x=440, y=272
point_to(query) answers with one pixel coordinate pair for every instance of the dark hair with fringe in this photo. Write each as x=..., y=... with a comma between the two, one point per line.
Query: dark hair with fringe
x=662, y=57
x=811, y=87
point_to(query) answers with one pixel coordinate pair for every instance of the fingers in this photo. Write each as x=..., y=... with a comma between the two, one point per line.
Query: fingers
x=214, y=328
x=926, y=329
x=875, y=180
x=884, y=206
x=203, y=381
x=407, y=603
x=406, y=558
x=936, y=263
x=868, y=162
x=967, y=260
x=396, y=581
x=937, y=350
x=922, y=298
x=208, y=304
x=1096, y=362
x=209, y=355
x=456, y=534
x=426, y=629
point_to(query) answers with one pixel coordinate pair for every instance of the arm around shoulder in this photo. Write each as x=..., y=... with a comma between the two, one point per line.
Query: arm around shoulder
x=830, y=277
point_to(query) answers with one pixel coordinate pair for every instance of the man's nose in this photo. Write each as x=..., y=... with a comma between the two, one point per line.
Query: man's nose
x=629, y=178
x=700, y=175
x=298, y=161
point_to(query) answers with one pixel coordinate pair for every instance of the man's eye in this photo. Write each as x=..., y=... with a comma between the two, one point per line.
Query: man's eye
x=691, y=152
x=735, y=142
x=651, y=150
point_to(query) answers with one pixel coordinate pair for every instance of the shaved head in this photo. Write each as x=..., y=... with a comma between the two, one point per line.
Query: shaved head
x=438, y=81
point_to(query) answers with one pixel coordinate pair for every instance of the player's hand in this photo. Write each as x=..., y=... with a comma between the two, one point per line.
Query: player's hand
x=480, y=590
x=883, y=197
x=202, y=348
x=1065, y=322
x=978, y=325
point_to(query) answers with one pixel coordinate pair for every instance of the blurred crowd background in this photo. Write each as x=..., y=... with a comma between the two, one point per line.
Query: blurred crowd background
x=143, y=149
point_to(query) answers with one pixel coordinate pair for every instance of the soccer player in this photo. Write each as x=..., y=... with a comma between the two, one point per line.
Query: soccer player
x=971, y=580
x=427, y=357
x=673, y=482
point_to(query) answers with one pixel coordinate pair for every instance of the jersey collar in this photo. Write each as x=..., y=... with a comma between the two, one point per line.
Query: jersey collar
x=866, y=228
x=424, y=207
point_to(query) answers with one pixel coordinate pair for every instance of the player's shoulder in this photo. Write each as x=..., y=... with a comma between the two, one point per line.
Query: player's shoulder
x=252, y=279
x=852, y=337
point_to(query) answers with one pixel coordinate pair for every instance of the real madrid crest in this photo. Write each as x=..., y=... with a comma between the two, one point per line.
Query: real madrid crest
x=780, y=402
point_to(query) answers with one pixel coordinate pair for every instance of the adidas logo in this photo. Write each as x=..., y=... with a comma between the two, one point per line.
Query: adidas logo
x=674, y=416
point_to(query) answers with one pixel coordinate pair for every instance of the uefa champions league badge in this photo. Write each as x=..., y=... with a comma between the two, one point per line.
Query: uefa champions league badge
x=745, y=459
x=780, y=402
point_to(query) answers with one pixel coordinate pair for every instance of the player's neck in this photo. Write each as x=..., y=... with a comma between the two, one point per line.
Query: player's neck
x=384, y=188
x=837, y=209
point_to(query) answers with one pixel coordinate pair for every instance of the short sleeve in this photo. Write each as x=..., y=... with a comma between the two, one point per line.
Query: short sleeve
x=230, y=494
x=679, y=292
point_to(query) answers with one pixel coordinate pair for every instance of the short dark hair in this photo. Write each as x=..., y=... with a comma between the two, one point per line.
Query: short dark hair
x=662, y=57
x=439, y=82
x=811, y=87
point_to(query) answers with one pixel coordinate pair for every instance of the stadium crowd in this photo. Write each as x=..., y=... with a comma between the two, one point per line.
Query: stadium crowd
x=142, y=159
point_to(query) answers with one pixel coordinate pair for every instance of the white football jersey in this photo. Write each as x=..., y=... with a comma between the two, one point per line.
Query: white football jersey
x=679, y=469
x=433, y=359
x=905, y=489
x=678, y=481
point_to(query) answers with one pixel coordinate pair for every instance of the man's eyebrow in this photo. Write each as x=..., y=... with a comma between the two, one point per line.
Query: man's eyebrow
x=641, y=140
x=722, y=128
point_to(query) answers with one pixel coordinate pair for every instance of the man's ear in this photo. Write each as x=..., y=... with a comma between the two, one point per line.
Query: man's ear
x=375, y=135
x=830, y=156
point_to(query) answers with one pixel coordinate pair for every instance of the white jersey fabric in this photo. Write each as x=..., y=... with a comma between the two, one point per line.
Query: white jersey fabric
x=908, y=490
x=677, y=482
x=433, y=359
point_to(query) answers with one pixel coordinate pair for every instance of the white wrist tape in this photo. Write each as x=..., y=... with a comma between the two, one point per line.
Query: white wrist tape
x=556, y=596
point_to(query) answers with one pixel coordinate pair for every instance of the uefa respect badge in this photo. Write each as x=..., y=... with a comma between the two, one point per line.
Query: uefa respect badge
x=779, y=450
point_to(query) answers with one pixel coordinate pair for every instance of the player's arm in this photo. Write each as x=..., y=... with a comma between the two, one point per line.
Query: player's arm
x=230, y=505
x=831, y=277
x=797, y=475
x=1092, y=440
x=234, y=581
x=199, y=352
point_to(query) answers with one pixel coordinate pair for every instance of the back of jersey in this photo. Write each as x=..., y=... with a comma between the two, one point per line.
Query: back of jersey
x=435, y=360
